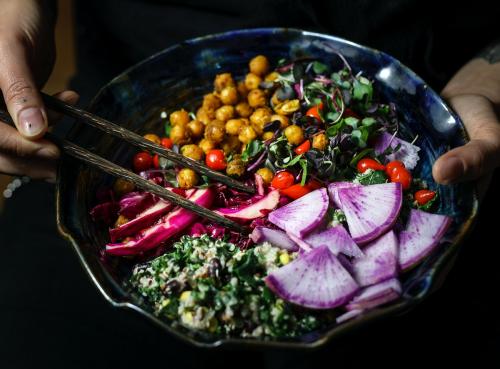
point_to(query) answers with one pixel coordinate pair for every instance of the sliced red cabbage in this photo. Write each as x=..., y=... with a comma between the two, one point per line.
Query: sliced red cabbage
x=274, y=236
x=407, y=153
x=370, y=210
x=134, y=203
x=303, y=215
x=258, y=209
x=376, y=295
x=336, y=238
x=421, y=236
x=169, y=226
x=141, y=221
x=106, y=212
x=334, y=186
x=315, y=280
x=380, y=261
x=348, y=315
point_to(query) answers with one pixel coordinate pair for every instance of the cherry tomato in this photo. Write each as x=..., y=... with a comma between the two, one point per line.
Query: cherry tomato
x=282, y=180
x=369, y=163
x=142, y=161
x=314, y=111
x=216, y=160
x=401, y=175
x=303, y=147
x=389, y=167
x=424, y=196
x=349, y=113
x=296, y=191
x=314, y=184
x=156, y=161
x=167, y=142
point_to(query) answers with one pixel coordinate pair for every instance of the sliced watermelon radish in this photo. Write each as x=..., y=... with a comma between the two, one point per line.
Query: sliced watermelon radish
x=315, y=280
x=303, y=215
x=303, y=246
x=334, y=186
x=274, y=236
x=348, y=315
x=256, y=210
x=380, y=261
x=370, y=210
x=336, y=238
x=421, y=236
x=376, y=295
x=407, y=152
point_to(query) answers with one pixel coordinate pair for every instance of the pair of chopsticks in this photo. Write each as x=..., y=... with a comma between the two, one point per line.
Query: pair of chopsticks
x=115, y=130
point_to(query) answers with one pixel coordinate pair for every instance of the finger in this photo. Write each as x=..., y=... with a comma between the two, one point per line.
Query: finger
x=34, y=168
x=13, y=144
x=69, y=97
x=20, y=91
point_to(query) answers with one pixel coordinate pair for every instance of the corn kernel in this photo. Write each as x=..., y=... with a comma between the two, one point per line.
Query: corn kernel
x=284, y=258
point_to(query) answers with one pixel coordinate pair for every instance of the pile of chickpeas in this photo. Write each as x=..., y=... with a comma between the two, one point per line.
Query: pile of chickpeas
x=229, y=118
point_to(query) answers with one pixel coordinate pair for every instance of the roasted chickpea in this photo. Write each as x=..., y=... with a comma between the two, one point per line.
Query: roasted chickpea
x=192, y=151
x=196, y=128
x=233, y=126
x=242, y=89
x=211, y=102
x=206, y=145
x=294, y=134
x=257, y=98
x=179, y=134
x=224, y=113
x=259, y=118
x=267, y=135
x=153, y=138
x=235, y=167
x=284, y=121
x=244, y=110
x=215, y=131
x=274, y=99
x=187, y=178
x=205, y=116
x=320, y=141
x=230, y=144
x=266, y=174
x=271, y=77
x=252, y=81
x=229, y=95
x=122, y=187
x=223, y=80
x=259, y=65
x=179, y=117
x=121, y=220
x=287, y=107
x=247, y=134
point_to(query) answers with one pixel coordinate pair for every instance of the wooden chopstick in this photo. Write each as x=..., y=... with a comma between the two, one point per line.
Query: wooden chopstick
x=117, y=171
x=137, y=140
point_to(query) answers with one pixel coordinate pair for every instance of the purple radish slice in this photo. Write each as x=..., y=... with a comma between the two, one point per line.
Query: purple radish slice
x=274, y=236
x=380, y=261
x=348, y=315
x=170, y=225
x=335, y=186
x=370, y=210
x=336, y=238
x=421, y=236
x=407, y=153
x=303, y=215
x=376, y=295
x=256, y=210
x=303, y=246
x=315, y=280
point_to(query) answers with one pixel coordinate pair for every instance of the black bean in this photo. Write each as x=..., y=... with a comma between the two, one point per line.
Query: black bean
x=171, y=287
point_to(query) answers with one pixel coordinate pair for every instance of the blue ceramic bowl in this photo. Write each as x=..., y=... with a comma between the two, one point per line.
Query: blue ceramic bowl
x=178, y=77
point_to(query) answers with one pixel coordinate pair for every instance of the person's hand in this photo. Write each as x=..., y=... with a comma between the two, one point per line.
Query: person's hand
x=26, y=60
x=474, y=93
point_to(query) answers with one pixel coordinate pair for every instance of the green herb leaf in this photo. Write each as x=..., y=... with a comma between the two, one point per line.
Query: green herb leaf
x=252, y=149
x=319, y=68
x=303, y=164
x=168, y=128
x=351, y=121
x=362, y=88
x=360, y=155
x=371, y=177
x=368, y=121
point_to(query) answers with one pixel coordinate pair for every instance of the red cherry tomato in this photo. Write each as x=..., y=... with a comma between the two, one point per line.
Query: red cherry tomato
x=156, y=161
x=142, y=161
x=282, y=180
x=296, y=191
x=216, y=160
x=314, y=184
x=314, y=111
x=303, y=147
x=167, y=142
x=369, y=163
x=401, y=175
x=424, y=196
x=389, y=167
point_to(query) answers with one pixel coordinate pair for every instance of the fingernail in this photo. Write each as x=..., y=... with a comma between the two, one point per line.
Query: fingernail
x=31, y=121
x=452, y=169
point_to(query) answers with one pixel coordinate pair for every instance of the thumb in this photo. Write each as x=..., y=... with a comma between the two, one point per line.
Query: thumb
x=20, y=92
